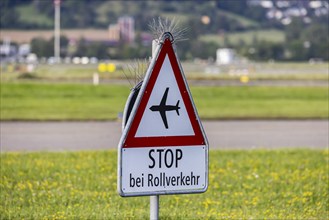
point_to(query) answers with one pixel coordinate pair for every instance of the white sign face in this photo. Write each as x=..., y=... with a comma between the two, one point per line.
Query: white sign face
x=163, y=149
x=162, y=169
x=178, y=122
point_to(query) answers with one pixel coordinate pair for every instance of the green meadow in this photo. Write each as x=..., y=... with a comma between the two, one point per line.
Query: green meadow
x=247, y=37
x=84, y=73
x=256, y=184
x=46, y=101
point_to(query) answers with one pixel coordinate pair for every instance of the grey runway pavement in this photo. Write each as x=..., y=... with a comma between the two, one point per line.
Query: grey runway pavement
x=232, y=134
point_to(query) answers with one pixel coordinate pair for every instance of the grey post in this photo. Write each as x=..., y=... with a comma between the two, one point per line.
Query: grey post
x=154, y=207
x=154, y=200
x=57, y=4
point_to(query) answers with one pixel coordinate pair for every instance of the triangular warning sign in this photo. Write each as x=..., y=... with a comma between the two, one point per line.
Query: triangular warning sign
x=164, y=112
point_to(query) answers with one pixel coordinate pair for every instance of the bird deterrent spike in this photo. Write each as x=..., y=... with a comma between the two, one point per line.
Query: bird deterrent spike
x=160, y=26
x=135, y=71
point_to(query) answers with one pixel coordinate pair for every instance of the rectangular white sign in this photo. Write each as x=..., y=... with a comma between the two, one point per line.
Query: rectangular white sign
x=163, y=170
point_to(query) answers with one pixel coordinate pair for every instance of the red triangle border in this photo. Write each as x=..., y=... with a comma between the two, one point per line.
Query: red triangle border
x=197, y=139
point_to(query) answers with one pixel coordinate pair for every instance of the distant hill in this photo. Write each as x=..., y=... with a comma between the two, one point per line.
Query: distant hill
x=237, y=15
x=257, y=29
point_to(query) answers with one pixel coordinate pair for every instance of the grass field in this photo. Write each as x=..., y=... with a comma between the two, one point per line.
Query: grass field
x=245, y=22
x=258, y=184
x=61, y=101
x=193, y=70
x=270, y=35
x=43, y=101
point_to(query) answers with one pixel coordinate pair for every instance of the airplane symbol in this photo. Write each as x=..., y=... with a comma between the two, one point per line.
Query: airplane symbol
x=163, y=108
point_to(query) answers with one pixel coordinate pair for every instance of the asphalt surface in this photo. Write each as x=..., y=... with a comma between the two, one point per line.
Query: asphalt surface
x=234, y=134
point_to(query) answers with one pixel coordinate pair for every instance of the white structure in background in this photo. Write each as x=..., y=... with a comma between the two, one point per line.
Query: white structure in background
x=123, y=30
x=225, y=56
x=24, y=50
x=7, y=50
x=31, y=62
x=127, y=28
x=31, y=58
x=114, y=32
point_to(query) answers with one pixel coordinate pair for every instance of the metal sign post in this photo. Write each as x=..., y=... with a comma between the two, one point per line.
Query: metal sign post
x=57, y=4
x=154, y=200
x=154, y=207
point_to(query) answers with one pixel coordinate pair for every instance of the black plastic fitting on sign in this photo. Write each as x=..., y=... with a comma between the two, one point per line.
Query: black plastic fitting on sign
x=131, y=101
x=167, y=35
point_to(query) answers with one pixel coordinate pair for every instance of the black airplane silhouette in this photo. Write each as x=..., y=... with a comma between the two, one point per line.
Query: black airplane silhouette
x=163, y=108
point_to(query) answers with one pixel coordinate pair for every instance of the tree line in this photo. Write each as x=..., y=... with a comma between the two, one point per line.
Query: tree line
x=302, y=43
